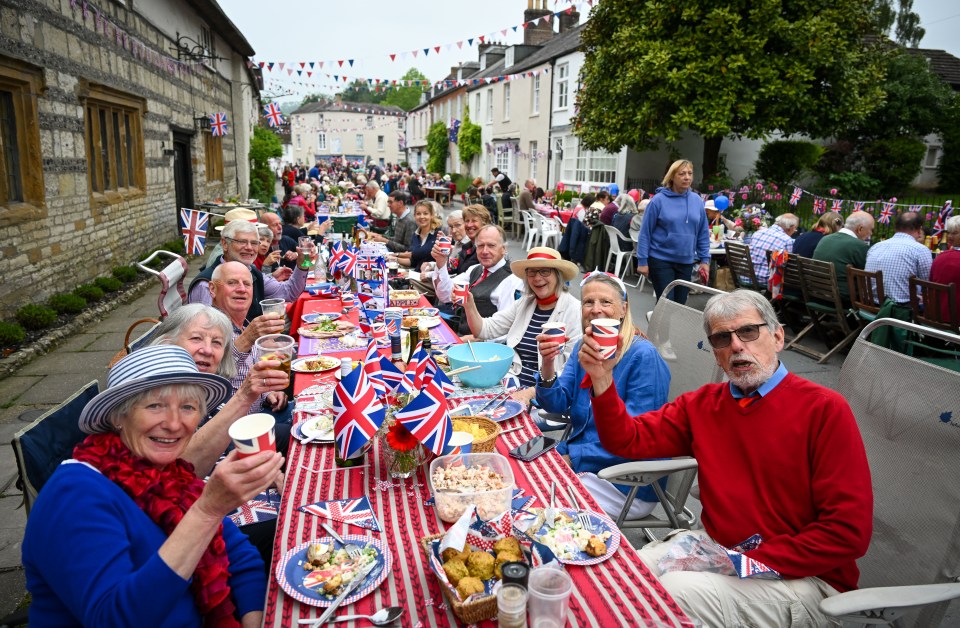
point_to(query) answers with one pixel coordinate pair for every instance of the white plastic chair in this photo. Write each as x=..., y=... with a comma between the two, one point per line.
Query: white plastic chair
x=615, y=238
x=550, y=229
x=532, y=227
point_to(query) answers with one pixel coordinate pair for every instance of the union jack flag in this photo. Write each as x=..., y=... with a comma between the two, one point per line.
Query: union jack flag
x=396, y=380
x=273, y=115
x=941, y=224
x=915, y=208
x=347, y=261
x=374, y=369
x=417, y=366
x=263, y=507
x=427, y=418
x=355, y=511
x=433, y=373
x=218, y=124
x=358, y=413
x=795, y=196
x=886, y=213
x=858, y=206
x=193, y=224
x=836, y=205
x=819, y=205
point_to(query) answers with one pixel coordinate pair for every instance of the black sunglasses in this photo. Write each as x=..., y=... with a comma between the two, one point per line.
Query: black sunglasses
x=747, y=333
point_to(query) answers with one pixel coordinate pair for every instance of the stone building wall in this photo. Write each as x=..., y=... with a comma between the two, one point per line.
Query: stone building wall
x=73, y=236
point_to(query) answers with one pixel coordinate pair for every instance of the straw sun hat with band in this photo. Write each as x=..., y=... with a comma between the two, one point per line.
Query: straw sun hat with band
x=544, y=257
x=238, y=213
x=145, y=369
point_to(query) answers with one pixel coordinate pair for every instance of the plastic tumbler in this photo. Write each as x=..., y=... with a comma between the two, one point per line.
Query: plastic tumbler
x=549, y=590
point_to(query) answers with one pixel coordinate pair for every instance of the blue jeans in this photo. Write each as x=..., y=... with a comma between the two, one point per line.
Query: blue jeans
x=662, y=273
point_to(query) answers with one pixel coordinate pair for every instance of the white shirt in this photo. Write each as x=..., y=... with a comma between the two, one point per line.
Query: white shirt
x=502, y=296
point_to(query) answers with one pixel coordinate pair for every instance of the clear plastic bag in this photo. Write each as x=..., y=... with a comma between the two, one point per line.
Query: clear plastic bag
x=692, y=553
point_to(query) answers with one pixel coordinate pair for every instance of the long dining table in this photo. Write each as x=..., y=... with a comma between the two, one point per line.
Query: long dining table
x=619, y=591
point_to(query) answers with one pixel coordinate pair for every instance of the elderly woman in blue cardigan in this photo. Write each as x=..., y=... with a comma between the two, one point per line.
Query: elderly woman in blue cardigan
x=642, y=379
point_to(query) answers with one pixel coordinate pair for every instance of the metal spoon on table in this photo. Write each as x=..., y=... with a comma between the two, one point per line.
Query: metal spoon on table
x=382, y=617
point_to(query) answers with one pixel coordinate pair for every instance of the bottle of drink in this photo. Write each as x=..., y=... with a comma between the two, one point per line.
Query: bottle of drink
x=396, y=355
x=424, y=336
x=411, y=346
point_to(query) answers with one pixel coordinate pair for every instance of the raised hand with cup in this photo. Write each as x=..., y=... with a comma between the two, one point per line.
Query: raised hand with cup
x=263, y=325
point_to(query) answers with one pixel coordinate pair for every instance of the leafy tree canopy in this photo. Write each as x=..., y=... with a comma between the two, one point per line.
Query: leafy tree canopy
x=264, y=145
x=408, y=96
x=438, y=147
x=908, y=30
x=724, y=67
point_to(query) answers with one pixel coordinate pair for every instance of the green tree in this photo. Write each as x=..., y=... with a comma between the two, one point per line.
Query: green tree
x=407, y=96
x=908, y=31
x=948, y=170
x=264, y=145
x=438, y=146
x=468, y=140
x=723, y=68
x=309, y=98
x=361, y=91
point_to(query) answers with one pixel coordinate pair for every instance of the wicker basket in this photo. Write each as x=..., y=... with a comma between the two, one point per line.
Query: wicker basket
x=488, y=444
x=472, y=612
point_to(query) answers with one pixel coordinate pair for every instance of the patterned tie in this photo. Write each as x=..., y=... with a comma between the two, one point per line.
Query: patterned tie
x=483, y=275
x=748, y=401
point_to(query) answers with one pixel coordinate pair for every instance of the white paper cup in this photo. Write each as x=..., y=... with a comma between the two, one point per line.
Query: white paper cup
x=458, y=443
x=606, y=331
x=252, y=434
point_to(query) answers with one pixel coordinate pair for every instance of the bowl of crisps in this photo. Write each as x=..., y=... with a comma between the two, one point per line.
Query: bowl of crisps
x=483, y=430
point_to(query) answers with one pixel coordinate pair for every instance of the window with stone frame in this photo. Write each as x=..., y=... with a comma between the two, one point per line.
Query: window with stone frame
x=213, y=152
x=114, y=140
x=21, y=164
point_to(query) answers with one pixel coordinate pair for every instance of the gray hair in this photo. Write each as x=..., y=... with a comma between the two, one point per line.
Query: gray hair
x=372, y=185
x=857, y=219
x=953, y=224
x=730, y=305
x=302, y=188
x=787, y=221
x=265, y=231
x=176, y=323
x=457, y=214
x=238, y=227
x=183, y=391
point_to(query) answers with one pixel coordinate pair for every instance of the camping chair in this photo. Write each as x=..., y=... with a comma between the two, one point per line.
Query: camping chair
x=741, y=267
x=550, y=229
x=44, y=444
x=822, y=296
x=907, y=412
x=866, y=293
x=129, y=346
x=530, y=225
x=791, y=307
x=171, y=276
x=677, y=332
x=622, y=255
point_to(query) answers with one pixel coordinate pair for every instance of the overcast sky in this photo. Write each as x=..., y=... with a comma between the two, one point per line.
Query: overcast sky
x=292, y=31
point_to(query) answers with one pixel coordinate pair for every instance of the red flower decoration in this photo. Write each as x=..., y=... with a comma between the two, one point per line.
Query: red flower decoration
x=400, y=438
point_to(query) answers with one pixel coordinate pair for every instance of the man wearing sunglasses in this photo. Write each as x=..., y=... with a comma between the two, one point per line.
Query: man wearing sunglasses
x=781, y=465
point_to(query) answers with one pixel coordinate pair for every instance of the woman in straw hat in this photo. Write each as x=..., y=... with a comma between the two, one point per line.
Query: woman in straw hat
x=125, y=533
x=546, y=299
x=641, y=377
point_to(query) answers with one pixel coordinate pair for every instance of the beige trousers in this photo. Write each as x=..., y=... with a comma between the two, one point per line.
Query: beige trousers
x=727, y=601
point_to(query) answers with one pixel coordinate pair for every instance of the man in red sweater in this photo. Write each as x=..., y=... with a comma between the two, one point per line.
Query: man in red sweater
x=779, y=457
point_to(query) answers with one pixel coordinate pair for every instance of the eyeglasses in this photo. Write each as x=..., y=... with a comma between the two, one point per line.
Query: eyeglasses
x=747, y=333
x=252, y=243
x=543, y=272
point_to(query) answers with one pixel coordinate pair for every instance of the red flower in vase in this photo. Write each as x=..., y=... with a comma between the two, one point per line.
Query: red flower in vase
x=400, y=438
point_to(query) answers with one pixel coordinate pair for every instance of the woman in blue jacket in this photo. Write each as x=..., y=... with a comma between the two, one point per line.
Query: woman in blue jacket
x=674, y=233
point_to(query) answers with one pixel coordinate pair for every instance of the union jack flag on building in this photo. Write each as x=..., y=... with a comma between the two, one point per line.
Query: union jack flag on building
x=795, y=196
x=218, y=124
x=426, y=417
x=193, y=224
x=886, y=213
x=356, y=512
x=273, y=114
x=358, y=414
x=941, y=224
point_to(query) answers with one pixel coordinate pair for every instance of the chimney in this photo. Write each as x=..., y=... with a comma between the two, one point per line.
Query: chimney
x=569, y=21
x=454, y=69
x=338, y=99
x=537, y=34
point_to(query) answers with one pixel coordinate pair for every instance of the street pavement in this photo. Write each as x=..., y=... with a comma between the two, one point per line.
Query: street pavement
x=51, y=378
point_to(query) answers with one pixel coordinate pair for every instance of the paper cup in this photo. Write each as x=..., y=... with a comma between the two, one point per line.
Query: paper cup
x=348, y=300
x=445, y=245
x=460, y=294
x=556, y=331
x=606, y=331
x=392, y=317
x=458, y=443
x=252, y=434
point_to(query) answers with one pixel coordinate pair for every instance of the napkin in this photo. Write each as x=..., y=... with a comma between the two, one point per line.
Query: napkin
x=263, y=507
x=355, y=511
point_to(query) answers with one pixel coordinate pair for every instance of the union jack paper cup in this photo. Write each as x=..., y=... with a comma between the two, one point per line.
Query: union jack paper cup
x=444, y=243
x=348, y=300
x=252, y=434
x=392, y=317
x=606, y=331
x=556, y=331
x=458, y=443
x=460, y=294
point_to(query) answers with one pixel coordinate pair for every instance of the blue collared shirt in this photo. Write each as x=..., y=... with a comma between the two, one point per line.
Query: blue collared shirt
x=766, y=388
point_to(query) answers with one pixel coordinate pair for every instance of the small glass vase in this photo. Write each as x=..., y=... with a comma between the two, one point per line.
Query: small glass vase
x=401, y=464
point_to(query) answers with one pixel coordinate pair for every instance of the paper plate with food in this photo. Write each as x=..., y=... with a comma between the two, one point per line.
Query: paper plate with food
x=570, y=542
x=315, y=364
x=423, y=311
x=326, y=329
x=496, y=411
x=315, y=572
x=414, y=321
x=319, y=317
x=318, y=428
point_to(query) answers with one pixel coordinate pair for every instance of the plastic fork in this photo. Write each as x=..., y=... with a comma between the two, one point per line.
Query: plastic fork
x=353, y=551
x=582, y=516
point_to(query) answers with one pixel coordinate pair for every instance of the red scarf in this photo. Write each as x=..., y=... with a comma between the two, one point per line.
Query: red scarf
x=165, y=495
x=548, y=301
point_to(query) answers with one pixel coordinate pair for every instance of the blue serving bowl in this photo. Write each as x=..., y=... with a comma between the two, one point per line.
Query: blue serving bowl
x=494, y=360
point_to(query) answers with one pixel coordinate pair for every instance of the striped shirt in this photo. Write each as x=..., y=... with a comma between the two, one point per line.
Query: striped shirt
x=527, y=347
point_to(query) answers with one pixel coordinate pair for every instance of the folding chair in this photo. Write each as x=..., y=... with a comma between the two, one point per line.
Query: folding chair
x=41, y=446
x=907, y=412
x=822, y=296
x=129, y=346
x=866, y=293
x=617, y=254
x=791, y=306
x=741, y=267
x=171, y=276
x=677, y=332
x=518, y=223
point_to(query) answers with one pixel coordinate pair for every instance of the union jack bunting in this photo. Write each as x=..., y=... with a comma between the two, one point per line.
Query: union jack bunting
x=358, y=414
x=374, y=369
x=218, y=124
x=886, y=213
x=858, y=206
x=273, y=115
x=263, y=507
x=915, y=208
x=356, y=512
x=941, y=224
x=395, y=380
x=193, y=224
x=795, y=196
x=819, y=205
x=426, y=417
x=836, y=205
